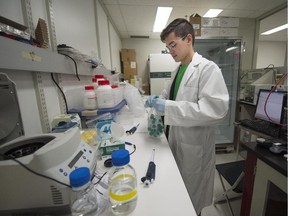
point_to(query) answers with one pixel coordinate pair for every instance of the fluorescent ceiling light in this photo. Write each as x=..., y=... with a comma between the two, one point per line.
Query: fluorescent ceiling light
x=280, y=28
x=212, y=13
x=162, y=16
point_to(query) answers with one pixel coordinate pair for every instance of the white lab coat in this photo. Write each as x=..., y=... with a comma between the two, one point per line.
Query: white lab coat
x=201, y=102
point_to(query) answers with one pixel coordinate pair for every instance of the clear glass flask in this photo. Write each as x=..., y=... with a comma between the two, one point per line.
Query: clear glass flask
x=122, y=184
x=84, y=196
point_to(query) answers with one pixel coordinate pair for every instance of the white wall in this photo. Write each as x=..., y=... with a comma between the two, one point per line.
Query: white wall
x=115, y=47
x=75, y=25
x=271, y=52
x=103, y=33
x=11, y=9
x=247, y=32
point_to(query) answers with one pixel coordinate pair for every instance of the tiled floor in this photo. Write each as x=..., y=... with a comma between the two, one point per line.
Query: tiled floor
x=223, y=209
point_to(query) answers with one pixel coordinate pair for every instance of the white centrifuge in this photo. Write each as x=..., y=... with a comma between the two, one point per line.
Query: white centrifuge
x=35, y=170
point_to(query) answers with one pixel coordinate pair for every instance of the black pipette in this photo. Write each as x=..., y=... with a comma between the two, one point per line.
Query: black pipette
x=150, y=175
x=132, y=130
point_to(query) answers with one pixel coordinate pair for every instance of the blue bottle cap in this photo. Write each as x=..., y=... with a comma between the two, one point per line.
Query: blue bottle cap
x=120, y=157
x=79, y=177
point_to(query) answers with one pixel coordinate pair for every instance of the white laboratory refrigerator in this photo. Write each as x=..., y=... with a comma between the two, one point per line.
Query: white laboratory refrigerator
x=160, y=67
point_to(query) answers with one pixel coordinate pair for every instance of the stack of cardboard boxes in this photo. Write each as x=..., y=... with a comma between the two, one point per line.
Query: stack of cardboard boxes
x=128, y=62
x=41, y=33
x=214, y=27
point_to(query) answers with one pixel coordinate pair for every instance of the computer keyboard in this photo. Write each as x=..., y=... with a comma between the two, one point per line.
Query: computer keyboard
x=262, y=127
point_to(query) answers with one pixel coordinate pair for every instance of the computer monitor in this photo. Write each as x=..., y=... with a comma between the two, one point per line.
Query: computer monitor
x=274, y=106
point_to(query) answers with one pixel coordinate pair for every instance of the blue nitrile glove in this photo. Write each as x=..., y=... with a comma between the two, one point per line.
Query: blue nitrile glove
x=159, y=104
x=148, y=102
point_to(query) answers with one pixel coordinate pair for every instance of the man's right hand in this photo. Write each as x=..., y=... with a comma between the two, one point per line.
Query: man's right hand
x=148, y=102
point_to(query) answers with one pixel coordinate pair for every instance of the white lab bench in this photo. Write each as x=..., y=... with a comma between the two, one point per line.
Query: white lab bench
x=168, y=194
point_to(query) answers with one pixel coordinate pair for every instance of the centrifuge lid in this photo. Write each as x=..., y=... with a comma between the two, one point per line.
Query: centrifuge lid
x=11, y=125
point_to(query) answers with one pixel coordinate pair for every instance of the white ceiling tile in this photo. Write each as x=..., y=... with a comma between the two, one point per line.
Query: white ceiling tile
x=136, y=17
x=108, y=2
x=278, y=36
x=239, y=13
x=116, y=17
x=255, y=4
x=139, y=18
x=269, y=23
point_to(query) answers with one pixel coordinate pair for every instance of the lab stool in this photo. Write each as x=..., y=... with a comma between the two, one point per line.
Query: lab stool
x=233, y=173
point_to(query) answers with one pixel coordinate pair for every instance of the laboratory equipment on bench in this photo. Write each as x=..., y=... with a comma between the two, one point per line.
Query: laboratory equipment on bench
x=122, y=184
x=160, y=66
x=132, y=130
x=151, y=171
x=53, y=155
x=85, y=200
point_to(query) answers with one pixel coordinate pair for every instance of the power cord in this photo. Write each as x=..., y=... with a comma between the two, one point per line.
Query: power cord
x=130, y=144
x=77, y=75
x=34, y=172
x=64, y=97
x=134, y=146
x=272, y=90
x=100, y=178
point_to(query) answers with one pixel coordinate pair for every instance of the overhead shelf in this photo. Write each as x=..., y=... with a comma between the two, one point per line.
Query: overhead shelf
x=20, y=56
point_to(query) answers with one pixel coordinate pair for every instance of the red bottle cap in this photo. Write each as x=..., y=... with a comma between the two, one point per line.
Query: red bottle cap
x=98, y=76
x=103, y=82
x=89, y=87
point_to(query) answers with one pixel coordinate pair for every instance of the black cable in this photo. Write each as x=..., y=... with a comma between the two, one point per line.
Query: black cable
x=130, y=144
x=99, y=191
x=77, y=75
x=133, y=150
x=100, y=178
x=268, y=67
x=64, y=97
x=34, y=172
x=99, y=181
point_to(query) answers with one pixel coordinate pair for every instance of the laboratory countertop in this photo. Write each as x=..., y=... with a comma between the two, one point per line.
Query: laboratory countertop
x=277, y=162
x=167, y=195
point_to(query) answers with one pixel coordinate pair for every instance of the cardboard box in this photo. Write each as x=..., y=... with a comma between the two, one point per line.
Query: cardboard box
x=195, y=20
x=129, y=69
x=210, y=32
x=210, y=22
x=128, y=55
x=229, y=22
x=146, y=89
x=228, y=32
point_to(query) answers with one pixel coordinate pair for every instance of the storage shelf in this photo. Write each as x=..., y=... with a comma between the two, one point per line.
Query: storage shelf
x=16, y=55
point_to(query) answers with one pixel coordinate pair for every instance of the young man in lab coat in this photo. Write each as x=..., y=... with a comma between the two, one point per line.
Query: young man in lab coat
x=195, y=101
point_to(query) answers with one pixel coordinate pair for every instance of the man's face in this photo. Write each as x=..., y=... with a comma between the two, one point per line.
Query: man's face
x=178, y=47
